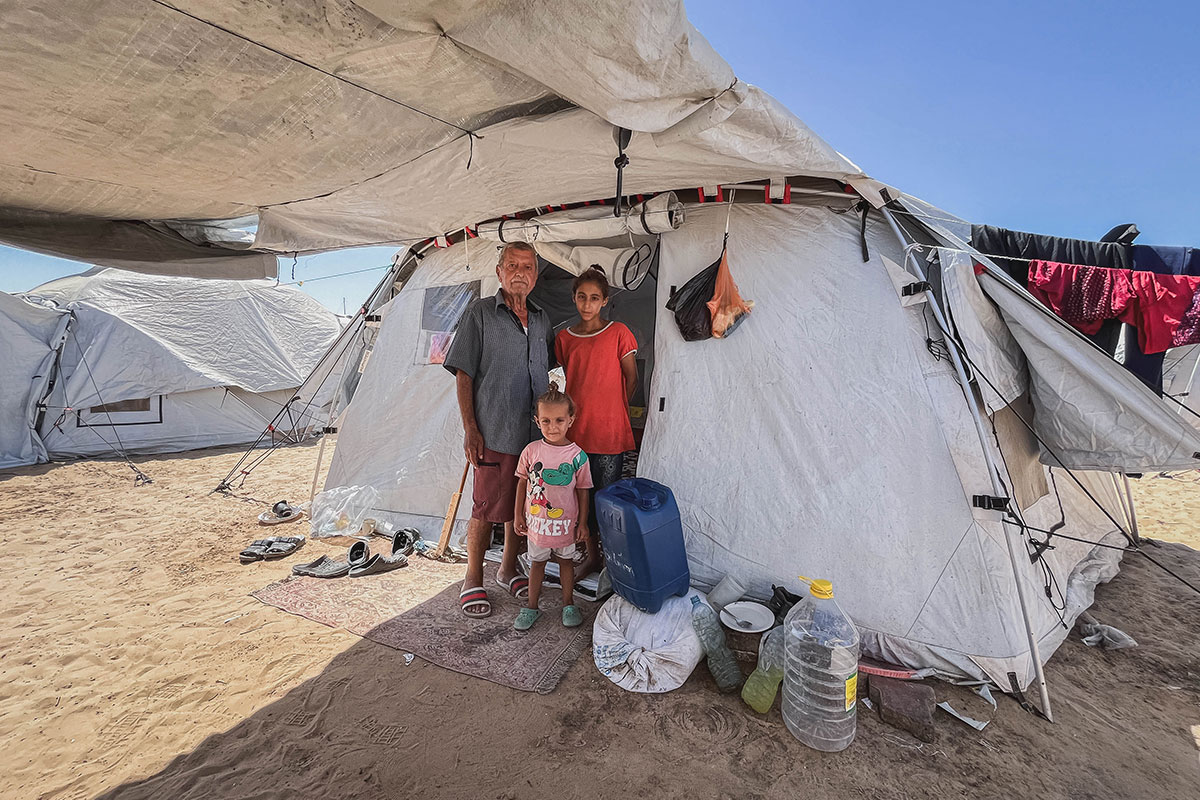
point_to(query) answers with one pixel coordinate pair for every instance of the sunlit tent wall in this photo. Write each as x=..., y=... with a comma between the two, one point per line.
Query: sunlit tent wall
x=822, y=437
x=160, y=364
x=844, y=430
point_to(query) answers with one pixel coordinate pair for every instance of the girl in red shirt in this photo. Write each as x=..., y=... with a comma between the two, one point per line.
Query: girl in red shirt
x=598, y=357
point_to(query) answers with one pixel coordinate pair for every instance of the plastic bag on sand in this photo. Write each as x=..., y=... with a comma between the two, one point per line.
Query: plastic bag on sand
x=727, y=307
x=1108, y=637
x=647, y=653
x=341, y=511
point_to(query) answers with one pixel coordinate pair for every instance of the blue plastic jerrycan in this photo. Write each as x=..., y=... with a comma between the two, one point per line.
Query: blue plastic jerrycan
x=643, y=542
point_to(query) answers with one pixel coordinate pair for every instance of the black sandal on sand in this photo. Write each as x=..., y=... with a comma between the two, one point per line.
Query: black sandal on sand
x=282, y=547
x=323, y=567
x=401, y=547
x=255, y=551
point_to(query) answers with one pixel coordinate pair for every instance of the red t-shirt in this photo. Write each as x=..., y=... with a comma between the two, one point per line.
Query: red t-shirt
x=592, y=363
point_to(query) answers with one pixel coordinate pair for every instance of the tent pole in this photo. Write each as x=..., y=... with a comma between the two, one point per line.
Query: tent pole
x=1133, y=526
x=329, y=424
x=973, y=404
x=1187, y=387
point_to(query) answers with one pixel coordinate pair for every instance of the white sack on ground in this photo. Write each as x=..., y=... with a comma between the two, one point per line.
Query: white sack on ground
x=648, y=653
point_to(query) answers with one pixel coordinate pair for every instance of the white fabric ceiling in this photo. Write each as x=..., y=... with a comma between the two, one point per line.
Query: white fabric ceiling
x=346, y=123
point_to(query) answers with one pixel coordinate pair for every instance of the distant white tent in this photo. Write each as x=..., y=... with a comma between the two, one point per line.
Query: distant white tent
x=159, y=364
x=30, y=338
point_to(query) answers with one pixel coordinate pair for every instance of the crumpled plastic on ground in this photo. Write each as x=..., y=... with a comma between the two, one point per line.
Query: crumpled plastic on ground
x=341, y=511
x=647, y=653
x=1105, y=636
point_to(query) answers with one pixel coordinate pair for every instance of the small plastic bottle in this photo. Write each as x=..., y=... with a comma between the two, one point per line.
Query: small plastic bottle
x=721, y=663
x=762, y=685
x=820, y=680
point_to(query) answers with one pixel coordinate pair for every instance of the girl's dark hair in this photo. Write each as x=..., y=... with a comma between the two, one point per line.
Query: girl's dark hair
x=553, y=396
x=592, y=274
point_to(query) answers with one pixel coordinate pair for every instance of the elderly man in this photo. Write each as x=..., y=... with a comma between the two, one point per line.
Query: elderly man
x=501, y=354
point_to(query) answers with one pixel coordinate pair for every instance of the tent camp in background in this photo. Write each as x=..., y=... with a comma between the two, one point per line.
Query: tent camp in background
x=111, y=361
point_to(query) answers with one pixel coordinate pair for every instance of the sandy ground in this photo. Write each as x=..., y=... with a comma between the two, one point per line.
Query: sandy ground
x=134, y=664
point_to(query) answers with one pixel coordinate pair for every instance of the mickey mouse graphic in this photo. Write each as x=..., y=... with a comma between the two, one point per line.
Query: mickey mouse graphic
x=537, y=494
x=540, y=477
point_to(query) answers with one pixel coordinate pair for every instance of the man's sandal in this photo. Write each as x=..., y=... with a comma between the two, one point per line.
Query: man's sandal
x=475, y=603
x=526, y=618
x=517, y=586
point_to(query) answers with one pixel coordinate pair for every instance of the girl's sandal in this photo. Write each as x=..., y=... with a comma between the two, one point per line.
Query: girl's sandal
x=572, y=617
x=475, y=603
x=526, y=618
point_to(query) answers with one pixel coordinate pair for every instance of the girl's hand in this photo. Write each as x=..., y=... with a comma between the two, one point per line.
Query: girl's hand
x=582, y=534
x=520, y=525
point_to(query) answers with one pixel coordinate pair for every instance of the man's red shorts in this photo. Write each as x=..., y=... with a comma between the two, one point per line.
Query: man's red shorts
x=495, y=492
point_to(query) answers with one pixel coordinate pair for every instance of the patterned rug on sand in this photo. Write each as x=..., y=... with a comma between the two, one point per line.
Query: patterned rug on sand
x=386, y=609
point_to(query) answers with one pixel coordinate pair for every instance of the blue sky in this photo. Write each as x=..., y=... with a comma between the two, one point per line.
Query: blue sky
x=1057, y=117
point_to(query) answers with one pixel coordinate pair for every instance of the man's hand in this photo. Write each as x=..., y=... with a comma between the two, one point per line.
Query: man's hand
x=473, y=446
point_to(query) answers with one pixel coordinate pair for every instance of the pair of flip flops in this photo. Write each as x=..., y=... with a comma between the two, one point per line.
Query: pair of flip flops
x=270, y=549
x=281, y=512
x=572, y=617
x=475, y=603
x=361, y=561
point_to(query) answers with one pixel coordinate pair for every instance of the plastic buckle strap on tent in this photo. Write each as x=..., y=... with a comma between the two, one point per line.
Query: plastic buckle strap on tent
x=989, y=502
x=621, y=136
x=777, y=192
x=708, y=193
x=863, y=207
x=918, y=287
x=441, y=242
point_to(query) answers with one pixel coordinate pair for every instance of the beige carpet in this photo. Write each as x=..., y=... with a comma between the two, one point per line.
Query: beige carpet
x=375, y=608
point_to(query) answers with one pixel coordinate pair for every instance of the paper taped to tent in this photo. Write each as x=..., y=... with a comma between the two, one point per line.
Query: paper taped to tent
x=111, y=361
x=898, y=413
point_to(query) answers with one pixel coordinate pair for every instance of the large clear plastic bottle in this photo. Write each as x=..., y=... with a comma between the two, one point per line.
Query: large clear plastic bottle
x=721, y=663
x=762, y=685
x=820, y=681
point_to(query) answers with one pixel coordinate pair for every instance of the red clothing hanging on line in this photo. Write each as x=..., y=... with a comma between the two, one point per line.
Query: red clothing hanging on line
x=1157, y=305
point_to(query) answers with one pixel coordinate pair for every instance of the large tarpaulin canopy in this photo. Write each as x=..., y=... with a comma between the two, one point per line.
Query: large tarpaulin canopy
x=345, y=123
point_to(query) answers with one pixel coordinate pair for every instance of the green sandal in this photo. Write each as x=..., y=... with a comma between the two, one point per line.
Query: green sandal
x=526, y=618
x=572, y=616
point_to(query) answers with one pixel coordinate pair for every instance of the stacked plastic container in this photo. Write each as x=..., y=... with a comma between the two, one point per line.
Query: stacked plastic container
x=643, y=542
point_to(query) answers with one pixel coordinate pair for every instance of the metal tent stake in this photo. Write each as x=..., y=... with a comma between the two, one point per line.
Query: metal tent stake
x=973, y=403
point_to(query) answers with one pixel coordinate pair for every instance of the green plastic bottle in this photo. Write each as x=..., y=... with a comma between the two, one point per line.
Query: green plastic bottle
x=761, y=687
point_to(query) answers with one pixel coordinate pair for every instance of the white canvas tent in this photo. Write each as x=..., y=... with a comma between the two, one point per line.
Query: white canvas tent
x=821, y=438
x=157, y=364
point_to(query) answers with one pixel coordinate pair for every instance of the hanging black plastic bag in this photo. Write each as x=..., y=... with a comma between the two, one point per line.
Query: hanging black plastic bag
x=690, y=303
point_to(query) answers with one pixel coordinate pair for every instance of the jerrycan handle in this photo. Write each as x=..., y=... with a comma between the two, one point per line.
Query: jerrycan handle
x=645, y=497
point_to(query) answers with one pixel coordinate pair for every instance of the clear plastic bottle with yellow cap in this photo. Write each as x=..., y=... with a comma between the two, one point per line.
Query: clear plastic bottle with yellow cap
x=820, y=680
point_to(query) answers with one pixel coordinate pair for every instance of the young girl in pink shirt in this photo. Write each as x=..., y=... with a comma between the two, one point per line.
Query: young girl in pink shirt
x=553, y=478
